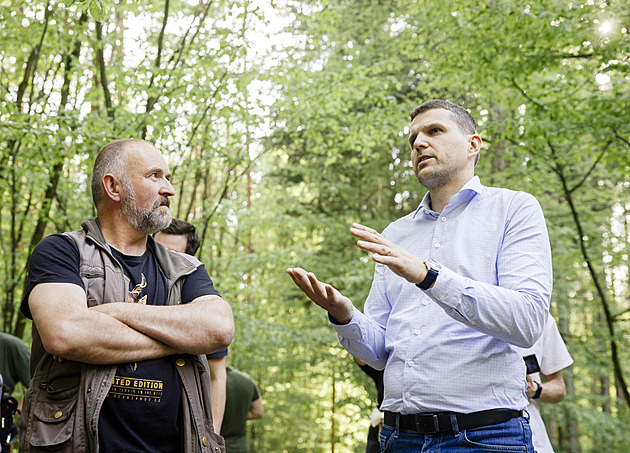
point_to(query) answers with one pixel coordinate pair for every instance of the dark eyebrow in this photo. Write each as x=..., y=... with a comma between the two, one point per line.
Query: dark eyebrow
x=425, y=127
x=433, y=125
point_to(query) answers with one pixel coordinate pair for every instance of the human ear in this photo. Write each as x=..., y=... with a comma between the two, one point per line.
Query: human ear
x=475, y=145
x=112, y=187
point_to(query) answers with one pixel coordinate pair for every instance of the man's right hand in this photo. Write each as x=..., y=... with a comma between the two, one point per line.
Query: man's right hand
x=324, y=295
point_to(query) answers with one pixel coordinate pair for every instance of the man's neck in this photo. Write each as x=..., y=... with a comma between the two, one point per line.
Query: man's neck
x=441, y=196
x=122, y=237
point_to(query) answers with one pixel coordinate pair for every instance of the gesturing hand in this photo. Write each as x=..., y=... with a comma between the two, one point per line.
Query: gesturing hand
x=324, y=295
x=400, y=261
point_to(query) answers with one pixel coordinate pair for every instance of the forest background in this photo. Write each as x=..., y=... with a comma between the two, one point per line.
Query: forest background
x=285, y=121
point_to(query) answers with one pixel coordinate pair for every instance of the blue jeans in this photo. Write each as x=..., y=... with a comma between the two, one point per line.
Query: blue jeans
x=512, y=436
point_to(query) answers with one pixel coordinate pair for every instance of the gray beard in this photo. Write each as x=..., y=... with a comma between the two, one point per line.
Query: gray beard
x=148, y=221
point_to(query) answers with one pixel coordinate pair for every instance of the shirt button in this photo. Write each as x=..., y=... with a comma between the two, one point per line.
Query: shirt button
x=417, y=331
x=437, y=246
x=58, y=414
x=443, y=219
x=474, y=323
x=180, y=362
x=424, y=302
x=441, y=297
x=408, y=395
x=410, y=363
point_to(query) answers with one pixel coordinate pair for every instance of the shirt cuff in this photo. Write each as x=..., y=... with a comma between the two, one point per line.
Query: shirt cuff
x=352, y=330
x=447, y=289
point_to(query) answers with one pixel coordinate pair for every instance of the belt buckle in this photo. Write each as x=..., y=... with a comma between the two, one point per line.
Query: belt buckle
x=427, y=424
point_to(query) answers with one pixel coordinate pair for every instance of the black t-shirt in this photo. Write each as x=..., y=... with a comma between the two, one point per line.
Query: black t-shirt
x=142, y=409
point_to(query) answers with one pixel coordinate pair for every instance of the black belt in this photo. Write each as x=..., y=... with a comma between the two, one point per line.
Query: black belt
x=439, y=422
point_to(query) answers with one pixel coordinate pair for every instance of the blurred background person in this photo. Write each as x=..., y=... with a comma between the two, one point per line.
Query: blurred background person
x=376, y=416
x=547, y=358
x=181, y=236
x=243, y=402
x=15, y=356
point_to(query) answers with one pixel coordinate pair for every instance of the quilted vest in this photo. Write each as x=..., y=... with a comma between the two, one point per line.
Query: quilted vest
x=62, y=405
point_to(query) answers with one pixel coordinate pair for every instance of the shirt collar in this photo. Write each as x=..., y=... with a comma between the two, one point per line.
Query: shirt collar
x=465, y=194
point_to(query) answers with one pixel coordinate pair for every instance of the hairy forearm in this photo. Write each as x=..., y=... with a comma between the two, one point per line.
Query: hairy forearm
x=200, y=327
x=71, y=331
x=101, y=339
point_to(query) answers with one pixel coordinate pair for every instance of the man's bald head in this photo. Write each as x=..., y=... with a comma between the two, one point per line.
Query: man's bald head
x=112, y=160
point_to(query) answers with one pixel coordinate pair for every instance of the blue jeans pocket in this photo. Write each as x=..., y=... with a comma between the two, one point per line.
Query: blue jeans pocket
x=511, y=436
x=385, y=438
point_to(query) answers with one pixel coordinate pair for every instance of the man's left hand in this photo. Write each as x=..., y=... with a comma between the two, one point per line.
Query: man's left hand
x=400, y=261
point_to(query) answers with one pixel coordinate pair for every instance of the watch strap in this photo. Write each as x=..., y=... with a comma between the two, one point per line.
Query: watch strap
x=430, y=278
x=538, y=391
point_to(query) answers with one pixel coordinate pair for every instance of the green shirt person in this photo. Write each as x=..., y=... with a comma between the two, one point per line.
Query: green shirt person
x=243, y=402
x=15, y=356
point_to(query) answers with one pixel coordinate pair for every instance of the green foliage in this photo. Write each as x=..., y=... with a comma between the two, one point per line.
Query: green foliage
x=275, y=153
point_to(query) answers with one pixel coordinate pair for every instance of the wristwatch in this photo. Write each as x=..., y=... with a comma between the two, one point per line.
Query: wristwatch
x=538, y=391
x=433, y=270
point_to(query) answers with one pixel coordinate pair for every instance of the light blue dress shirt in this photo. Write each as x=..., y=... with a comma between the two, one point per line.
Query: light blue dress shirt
x=450, y=348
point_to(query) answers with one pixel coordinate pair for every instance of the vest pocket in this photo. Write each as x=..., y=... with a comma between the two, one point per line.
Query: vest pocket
x=217, y=443
x=53, y=425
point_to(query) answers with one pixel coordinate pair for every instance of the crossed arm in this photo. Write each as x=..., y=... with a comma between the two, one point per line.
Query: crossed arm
x=122, y=332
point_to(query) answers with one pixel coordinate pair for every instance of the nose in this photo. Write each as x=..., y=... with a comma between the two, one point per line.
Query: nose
x=167, y=188
x=420, y=142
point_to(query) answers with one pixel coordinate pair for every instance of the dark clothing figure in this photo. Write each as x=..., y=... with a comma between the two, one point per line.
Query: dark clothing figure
x=15, y=357
x=243, y=403
x=372, y=445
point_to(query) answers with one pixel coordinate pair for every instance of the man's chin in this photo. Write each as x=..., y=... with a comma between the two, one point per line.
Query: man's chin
x=159, y=220
x=164, y=220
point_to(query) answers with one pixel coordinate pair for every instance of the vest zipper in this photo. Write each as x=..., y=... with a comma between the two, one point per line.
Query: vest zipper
x=100, y=385
x=93, y=412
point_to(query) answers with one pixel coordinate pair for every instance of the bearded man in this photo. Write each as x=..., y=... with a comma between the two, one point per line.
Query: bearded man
x=121, y=324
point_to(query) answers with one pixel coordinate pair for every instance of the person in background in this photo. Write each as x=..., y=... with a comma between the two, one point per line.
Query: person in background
x=547, y=358
x=14, y=368
x=181, y=236
x=457, y=284
x=376, y=416
x=243, y=402
x=15, y=356
x=121, y=325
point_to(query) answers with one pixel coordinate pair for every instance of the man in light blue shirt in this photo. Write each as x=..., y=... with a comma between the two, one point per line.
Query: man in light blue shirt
x=458, y=283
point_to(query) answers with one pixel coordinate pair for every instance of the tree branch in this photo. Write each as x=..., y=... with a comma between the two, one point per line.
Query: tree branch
x=152, y=100
x=102, y=70
x=38, y=48
x=527, y=96
x=610, y=322
x=590, y=170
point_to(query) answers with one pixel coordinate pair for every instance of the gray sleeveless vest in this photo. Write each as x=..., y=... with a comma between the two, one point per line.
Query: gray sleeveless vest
x=62, y=405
